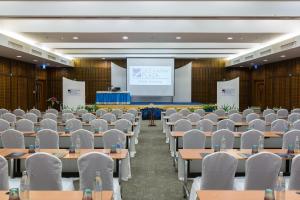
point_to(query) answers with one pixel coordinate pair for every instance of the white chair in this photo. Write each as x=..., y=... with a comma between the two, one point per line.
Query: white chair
x=19, y=112
x=220, y=112
x=268, y=111
x=257, y=124
x=251, y=116
x=73, y=124
x=184, y=112
x=31, y=116
x=86, y=138
x=282, y=113
x=193, y=139
x=81, y=111
x=250, y=138
x=261, y=171
x=233, y=111
x=133, y=111
x=3, y=174
x=123, y=125
x=175, y=117
x=36, y=112
x=99, y=124
x=201, y=112
x=67, y=116
x=67, y=111
x=170, y=111
x=217, y=136
x=109, y=117
x=194, y=117
x=48, y=124
x=247, y=112
x=293, y=117
x=100, y=112
x=87, y=117
x=280, y=125
x=112, y=137
x=12, y=139
x=212, y=116
x=226, y=124
x=289, y=138
x=183, y=125
x=24, y=125
x=205, y=125
x=49, y=139
x=53, y=111
x=129, y=116
x=295, y=110
x=50, y=116
x=117, y=112
x=294, y=182
x=11, y=118
x=44, y=171
x=269, y=118
x=89, y=164
x=218, y=170
x=236, y=117
x=3, y=110
x=296, y=125
x=4, y=125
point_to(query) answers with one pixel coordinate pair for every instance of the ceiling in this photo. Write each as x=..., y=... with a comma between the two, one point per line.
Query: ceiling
x=180, y=29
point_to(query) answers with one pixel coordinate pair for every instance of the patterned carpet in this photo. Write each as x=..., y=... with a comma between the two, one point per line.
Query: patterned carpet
x=153, y=174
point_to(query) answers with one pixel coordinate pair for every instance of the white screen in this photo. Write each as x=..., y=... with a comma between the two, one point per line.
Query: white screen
x=150, y=77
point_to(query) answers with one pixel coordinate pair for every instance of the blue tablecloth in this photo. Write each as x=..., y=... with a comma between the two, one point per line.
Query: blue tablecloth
x=113, y=98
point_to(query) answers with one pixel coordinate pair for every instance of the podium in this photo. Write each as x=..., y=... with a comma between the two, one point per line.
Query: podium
x=107, y=97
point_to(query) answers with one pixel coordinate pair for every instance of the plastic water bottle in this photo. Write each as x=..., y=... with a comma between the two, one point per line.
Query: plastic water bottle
x=77, y=145
x=87, y=194
x=119, y=145
x=297, y=145
x=280, y=187
x=269, y=194
x=261, y=143
x=25, y=186
x=37, y=144
x=98, y=187
x=223, y=143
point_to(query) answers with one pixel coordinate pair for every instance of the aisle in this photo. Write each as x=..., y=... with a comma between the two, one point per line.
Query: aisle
x=154, y=177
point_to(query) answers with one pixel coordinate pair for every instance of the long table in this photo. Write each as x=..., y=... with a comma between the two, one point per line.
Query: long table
x=105, y=97
x=58, y=195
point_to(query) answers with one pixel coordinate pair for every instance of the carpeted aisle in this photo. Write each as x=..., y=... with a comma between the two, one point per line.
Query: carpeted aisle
x=153, y=174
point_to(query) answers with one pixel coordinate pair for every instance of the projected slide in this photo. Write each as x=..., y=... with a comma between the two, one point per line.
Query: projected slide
x=150, y=75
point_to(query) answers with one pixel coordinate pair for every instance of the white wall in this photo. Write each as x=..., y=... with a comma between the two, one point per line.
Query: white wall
x=183, y=84
x=228, y=93
x=73, y=93
x=118, y=76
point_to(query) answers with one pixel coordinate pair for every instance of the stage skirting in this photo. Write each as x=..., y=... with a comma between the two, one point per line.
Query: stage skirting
x=116, y=98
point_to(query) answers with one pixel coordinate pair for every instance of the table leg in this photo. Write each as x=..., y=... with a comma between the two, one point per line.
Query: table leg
x=175, y=151
x=185, y=180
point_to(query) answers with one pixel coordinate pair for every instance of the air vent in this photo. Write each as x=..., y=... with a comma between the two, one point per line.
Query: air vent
x=236, y=61
x=288, y=45
x=51, y=57
x=249, y=57
x=36, y=52
x=265, y=52
x=15, y=45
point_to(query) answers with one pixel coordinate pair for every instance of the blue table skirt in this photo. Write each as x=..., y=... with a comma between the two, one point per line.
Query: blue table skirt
x=113, y=98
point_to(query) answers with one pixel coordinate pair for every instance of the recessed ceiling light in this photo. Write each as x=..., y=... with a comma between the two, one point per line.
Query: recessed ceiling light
x=265, y=60
x=229, y=38
x=282, y=56
x=125, y=37
x=178, y=38
x=35, y=60
x=75, y=38
x=19, y=56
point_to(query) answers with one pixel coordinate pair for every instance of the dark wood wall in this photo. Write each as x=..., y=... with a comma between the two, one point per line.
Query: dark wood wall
x=18, y=81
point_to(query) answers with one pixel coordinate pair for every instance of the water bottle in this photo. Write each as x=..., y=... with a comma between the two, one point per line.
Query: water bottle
x=269, y=195
x=223, y=143
x=87, y=194
x=77, y=145
x=261, y=143
x=37, y=144
x=24, y=186
x=98, y=187
x=119, y=145
x=297, y=145
x=280, y=187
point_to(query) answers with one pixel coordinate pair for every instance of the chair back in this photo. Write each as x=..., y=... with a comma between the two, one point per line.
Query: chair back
x=3, y=174
x=67, y=116
x=86, y=138
x=123, y=125
x=226, y=124
x=170, y=111
x=236, y=117
x=4, y=125
x=194, y=139
x=99, y=124
x=220, y=112
x=185, y=112
x=294, y=182
x=269, y=118
x=212, y=116
x=13, y=139
x=100, y=112
x=49, y=139
x=282, y=113
x=73, y=124
x=87, y=117
x=280, y=125
x=11, y=118
x=50, y=116
x=205, y=125
x=109, y=117
x=31, y=116
x=19, y=112
x=113, y=137
x=24, y=125
x=53, y=111
x=48, y=124
x=250, y=138
x=257, y=124
x=217, y=136
x=289, y=138
x=268, y=111
x=194, y=117
x=117, y=112
x=251, y=116
x=293, y=117
x=175, y=117
x=183, y=125
x=129, y=116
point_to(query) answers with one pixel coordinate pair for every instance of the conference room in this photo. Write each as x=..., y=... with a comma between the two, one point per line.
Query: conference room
x=149, y=100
